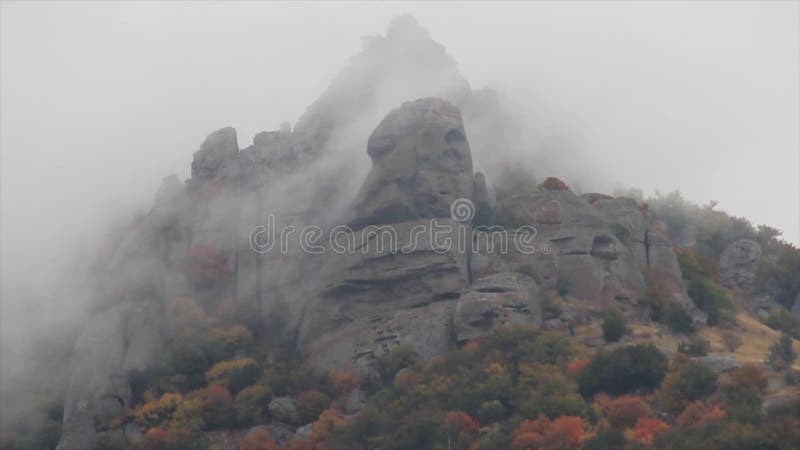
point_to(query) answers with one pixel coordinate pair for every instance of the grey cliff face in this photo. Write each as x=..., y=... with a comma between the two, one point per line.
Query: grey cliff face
x=737, y=263
x=119, y=341
x=501, y=300
x=371, y=301
x=590, y=260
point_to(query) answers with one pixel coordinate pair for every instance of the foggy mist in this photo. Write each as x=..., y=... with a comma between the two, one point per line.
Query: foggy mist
x=101, y=101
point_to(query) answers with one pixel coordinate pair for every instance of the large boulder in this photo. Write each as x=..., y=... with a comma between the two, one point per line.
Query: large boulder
x=719, y=363
x=494, y=302
x=737, y=263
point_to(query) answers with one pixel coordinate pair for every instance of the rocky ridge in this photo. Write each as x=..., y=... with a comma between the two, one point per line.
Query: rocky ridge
x=347, y=310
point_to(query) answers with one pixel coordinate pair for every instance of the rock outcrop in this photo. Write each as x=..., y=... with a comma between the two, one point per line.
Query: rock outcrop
x=400, y=283
x=501, y=300
x=591, y=261
x=719, y=363
x=737, y=263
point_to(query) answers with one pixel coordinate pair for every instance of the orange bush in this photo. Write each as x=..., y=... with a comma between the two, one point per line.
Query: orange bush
x=156, y=413
x=312, y=404
x=565, y=432
x=472, y=345
x=260, y=439
x=458, y=424
x=647, y=429
x=407, y=379
x=329, y=420
x=160, y=439
x=576, y=366
x=622, y=412
x=553, y=184
x=217, y=405
x=496, y=369
x=234, y=374
x=344, y=382
x=208, y=407
x=697, y=412
x=749, y=377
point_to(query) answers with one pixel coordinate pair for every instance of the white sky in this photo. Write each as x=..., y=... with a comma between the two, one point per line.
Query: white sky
x=101, y=100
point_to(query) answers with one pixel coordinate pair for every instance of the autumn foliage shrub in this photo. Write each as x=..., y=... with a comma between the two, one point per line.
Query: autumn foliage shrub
x=647, y=429
x=565, y=432
x=251, y=404
x=258, y=439
x=234, y=374
x=210, y=407
x=689, y=381
x=749, y=377
x=621, y=412
x=460, y=429
x=160, y=439
x=312, y=403
x=575, y=366
x=343, y=382
x=156, y=412
x=553, y=184
x=697, y=413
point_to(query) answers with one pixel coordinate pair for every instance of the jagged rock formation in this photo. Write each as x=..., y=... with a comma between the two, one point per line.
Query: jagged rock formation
x=375, y=298
x=737, y=263
x=349, y=308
